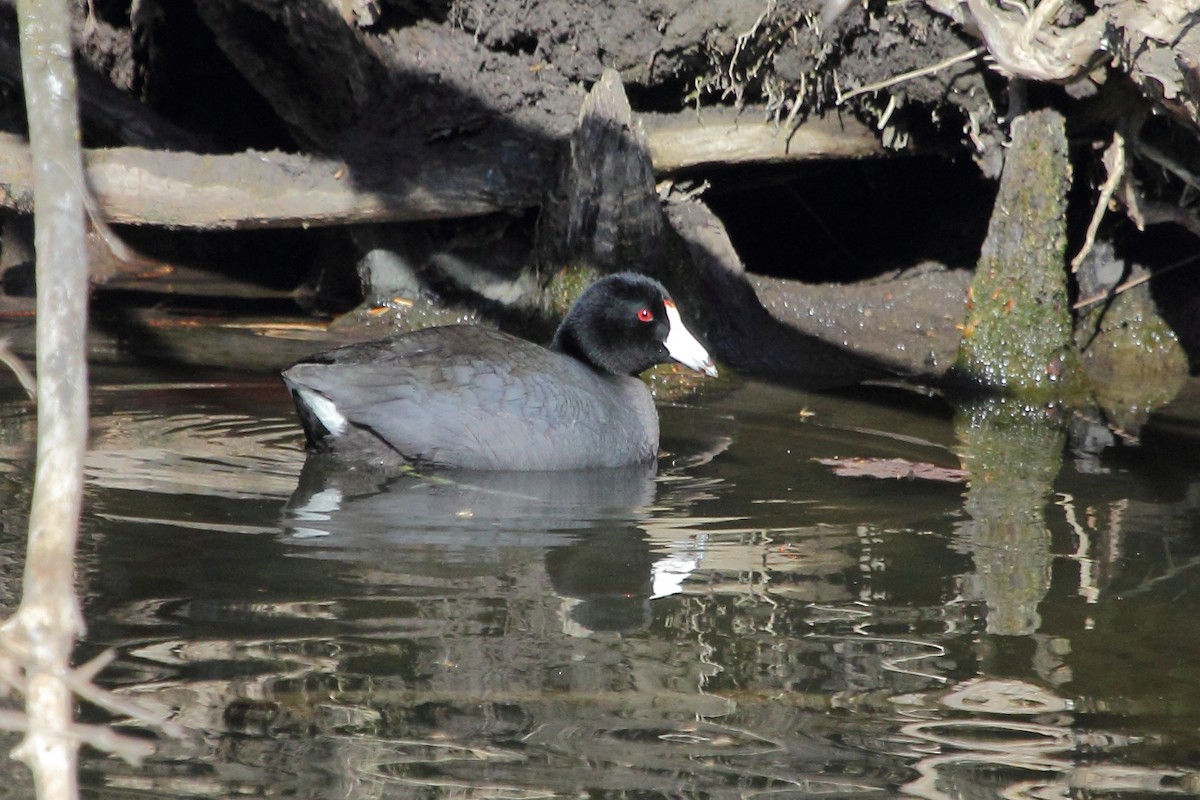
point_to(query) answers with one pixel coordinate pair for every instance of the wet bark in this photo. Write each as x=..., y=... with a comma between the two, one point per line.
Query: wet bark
x=602, y=215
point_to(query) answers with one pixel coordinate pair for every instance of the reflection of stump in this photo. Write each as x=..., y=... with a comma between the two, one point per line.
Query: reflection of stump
x=1018, y=329
x=1013, y=455
x=604, y=215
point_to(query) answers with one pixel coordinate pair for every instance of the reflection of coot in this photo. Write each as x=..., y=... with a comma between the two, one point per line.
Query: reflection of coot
x=608, y=571
x=344, y=510
x=582, y=524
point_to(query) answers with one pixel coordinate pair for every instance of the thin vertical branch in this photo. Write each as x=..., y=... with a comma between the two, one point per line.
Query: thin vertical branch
x=48, y=621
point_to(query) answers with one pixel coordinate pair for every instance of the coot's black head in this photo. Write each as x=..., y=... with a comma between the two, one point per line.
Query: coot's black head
x=626, y=323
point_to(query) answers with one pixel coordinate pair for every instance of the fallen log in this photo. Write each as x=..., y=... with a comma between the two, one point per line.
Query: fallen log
x=682, y=142
x=268, y=190
x=136, y=186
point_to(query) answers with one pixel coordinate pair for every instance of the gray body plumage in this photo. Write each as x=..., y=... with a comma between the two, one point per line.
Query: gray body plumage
x=469, y=397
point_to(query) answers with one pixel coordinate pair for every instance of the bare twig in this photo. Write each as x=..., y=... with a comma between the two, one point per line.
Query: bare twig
x=106, y=740
x=116, y=244
x=830, y=11
x=90, y=669
x=1131, y=283
x=907, y=76
x=85, y=689
x=131, y=748
x=1167, y=162
x=1159, y=213
x=79, y=680
x=1114, y=162
x=11, y=360
x=15, y=721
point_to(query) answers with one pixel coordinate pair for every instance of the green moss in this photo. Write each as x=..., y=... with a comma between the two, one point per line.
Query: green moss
x=1131, y=356
x=1018, y=333
x=565, y=286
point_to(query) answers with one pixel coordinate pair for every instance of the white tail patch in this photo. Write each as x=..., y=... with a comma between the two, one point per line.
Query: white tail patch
x=324, y=410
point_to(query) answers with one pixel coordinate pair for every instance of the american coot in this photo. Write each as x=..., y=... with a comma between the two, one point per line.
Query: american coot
x=469, y=397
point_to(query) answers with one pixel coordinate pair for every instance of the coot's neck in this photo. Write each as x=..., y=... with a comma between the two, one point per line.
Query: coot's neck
x=583, y=343
x=566, y=342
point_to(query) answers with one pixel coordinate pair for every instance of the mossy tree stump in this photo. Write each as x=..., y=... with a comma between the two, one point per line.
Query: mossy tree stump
x=1018, y=334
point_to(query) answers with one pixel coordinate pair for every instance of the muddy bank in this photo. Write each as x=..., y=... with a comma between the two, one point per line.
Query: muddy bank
x=909, y=321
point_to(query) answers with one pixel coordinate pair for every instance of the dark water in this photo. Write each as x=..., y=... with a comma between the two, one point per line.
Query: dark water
x=738, y=622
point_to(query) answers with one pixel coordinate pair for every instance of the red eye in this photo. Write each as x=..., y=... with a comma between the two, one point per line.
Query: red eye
x=645, y=315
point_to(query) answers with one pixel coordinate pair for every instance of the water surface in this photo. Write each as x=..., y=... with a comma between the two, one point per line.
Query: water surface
x=735, y=621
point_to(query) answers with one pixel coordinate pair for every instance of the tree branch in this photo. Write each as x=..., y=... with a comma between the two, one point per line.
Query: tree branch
x=49, y=619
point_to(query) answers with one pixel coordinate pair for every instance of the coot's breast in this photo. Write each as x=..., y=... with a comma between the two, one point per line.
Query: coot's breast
x=469, y=397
